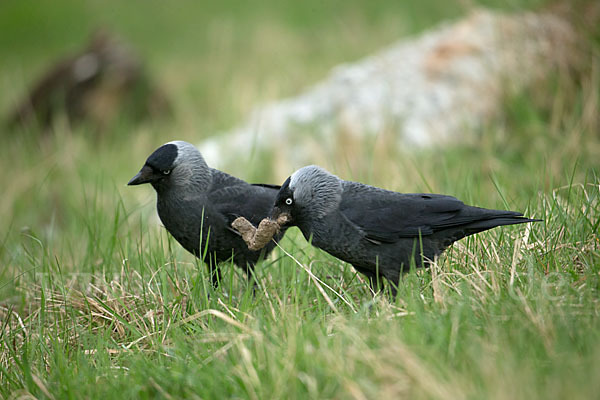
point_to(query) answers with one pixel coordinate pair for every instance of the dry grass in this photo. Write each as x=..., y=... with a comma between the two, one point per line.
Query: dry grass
x=97, y=301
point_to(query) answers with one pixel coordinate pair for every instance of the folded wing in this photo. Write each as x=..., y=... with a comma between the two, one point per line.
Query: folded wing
x=386, y=217
x=235, y=198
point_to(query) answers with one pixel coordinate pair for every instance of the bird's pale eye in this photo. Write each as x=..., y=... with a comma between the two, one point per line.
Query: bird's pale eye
x=166, y=172
x=289, y=201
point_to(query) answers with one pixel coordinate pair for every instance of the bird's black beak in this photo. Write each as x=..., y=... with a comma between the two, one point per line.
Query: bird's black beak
x=281, y=216
x=144, y=176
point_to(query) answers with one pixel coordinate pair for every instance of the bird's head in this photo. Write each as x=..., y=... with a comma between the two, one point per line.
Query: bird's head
x=175, y=163
x=309, y=193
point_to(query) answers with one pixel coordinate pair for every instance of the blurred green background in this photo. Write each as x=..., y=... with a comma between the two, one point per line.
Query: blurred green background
x=96, y=300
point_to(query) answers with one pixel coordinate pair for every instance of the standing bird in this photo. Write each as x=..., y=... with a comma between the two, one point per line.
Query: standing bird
x=197, y=204
x=378, y=231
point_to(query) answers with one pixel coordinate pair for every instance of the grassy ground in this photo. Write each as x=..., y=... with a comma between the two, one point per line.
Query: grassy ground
x=96, y=300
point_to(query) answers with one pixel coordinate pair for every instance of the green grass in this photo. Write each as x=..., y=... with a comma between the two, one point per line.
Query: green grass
x=97, y=301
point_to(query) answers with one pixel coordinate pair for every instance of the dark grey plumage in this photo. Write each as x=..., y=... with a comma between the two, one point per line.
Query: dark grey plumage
x=192, y=197
x=378, y=231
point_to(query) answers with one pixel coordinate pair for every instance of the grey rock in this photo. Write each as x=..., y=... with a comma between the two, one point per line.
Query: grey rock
x=434, y=88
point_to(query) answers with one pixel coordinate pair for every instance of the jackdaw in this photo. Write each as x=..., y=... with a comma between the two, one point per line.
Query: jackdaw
x=194, y=198
x=378, y=231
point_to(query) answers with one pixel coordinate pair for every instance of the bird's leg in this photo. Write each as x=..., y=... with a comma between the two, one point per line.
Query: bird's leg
x=393, y=279
x=393, y=291
x=251, y=278
x=215, y=277
x=375, y=282
x=215, y=273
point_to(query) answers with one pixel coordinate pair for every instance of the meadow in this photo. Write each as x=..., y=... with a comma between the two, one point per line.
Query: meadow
x=97, y=301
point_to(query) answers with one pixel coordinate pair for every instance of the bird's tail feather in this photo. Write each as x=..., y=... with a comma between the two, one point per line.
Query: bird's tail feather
x=486, y=224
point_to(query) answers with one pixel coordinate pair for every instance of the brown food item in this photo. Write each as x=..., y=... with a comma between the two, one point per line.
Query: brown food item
x=255, y=238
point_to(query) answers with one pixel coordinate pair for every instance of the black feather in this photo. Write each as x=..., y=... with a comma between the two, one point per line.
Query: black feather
x=197, y=208
x=163, y=157
x=381, y=233
x=267, y=185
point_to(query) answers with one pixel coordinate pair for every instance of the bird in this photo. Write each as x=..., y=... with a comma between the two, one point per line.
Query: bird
x=379, y=232
x=197, y=205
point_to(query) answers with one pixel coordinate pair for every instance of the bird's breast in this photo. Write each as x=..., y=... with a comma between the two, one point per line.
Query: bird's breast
x=328, y=233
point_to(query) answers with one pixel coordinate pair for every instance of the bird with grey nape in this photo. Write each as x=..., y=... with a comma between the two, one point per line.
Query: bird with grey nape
x=381, y=233
x=197, y=205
